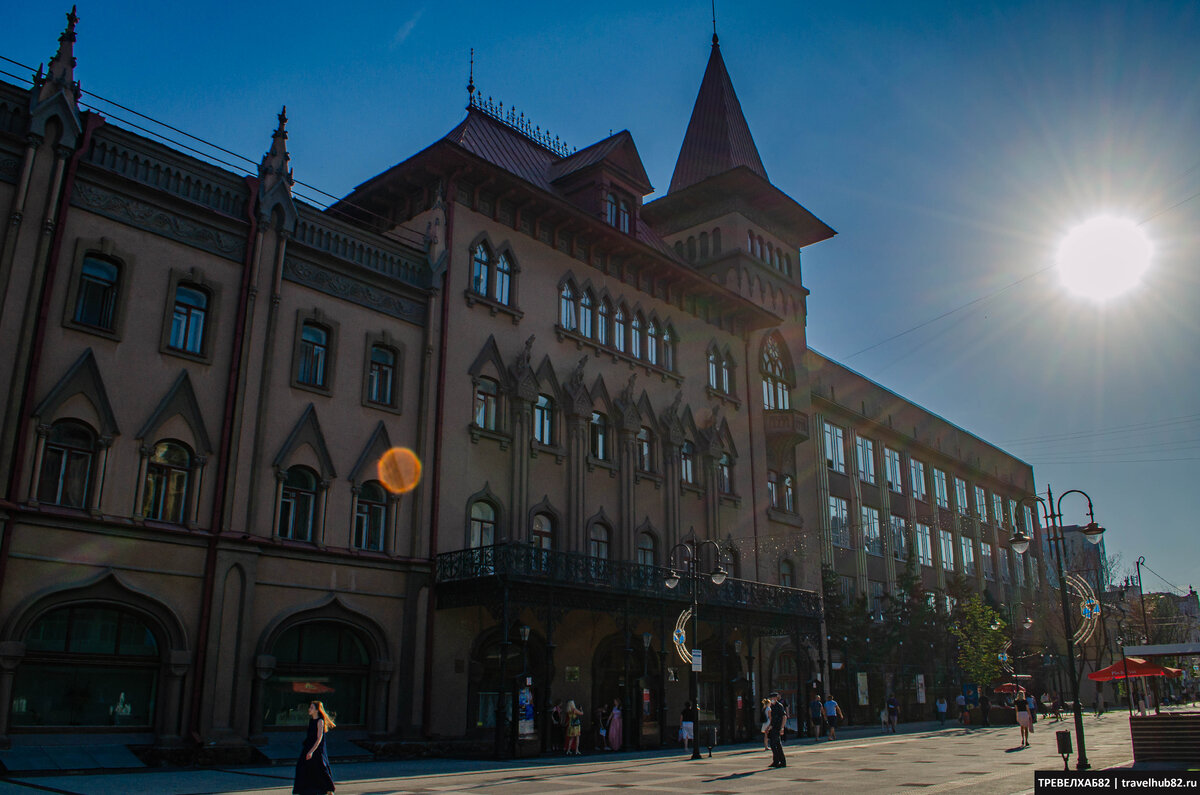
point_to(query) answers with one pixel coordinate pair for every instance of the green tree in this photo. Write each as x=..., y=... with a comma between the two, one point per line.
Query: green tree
x=979, y=646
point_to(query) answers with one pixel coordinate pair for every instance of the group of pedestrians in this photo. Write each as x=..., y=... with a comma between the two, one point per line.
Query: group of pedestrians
x=566, y=727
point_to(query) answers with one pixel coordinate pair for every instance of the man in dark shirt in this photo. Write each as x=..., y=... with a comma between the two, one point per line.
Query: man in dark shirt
x=777, y=714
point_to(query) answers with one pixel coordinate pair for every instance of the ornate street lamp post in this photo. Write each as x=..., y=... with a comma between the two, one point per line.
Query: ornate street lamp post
x=1052, y=514
x=691, y=547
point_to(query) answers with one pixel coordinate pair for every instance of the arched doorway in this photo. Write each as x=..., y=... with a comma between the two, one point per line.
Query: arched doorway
x=507, y=684
x=318, y=660
x=634, y=678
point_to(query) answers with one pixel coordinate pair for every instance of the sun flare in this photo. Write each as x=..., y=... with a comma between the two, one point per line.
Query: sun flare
x=1104, y=257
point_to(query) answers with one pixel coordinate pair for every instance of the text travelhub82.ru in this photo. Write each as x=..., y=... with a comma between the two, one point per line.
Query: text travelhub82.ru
x=1115, y=780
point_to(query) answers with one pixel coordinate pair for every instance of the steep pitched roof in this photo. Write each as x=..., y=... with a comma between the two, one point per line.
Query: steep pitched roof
x=718, y=137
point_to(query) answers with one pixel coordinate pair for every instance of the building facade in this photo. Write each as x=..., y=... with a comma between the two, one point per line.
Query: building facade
x=206, y=372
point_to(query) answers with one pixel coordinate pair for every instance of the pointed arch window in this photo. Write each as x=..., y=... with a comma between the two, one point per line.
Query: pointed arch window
x=602, y=315
x=727, y=375
x=668, y=349
x=483, y=525
x=487, y=401
x=165, y=495
x=187, y=319
x=652, y=342
x=789, y=494
x=687, y=463
x=645, y=549
x=481, y=273
x=635, y=335
x=725, y=474
x=585, y=313
x=599, y=436
x=503, y=279
x=67, y=460
x=370, y=516
x=714, y=367
x=645, y=450
x=598, y=551
x=567, y=307
x=297, y=504
x=776, y=390
x=543, y=420
x=96, y=299
x=619, y=329
x=541, y=536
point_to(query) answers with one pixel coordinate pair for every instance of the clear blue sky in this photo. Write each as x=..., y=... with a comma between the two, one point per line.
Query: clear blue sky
x=950, y=144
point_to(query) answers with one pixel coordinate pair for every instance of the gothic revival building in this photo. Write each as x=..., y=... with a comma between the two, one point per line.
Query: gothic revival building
x=594, y=385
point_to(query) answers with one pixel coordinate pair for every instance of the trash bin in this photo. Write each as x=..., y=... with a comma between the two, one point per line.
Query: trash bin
x=1064, y=742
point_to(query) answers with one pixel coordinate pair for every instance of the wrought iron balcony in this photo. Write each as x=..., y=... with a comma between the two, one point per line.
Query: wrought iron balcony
x=520, y=563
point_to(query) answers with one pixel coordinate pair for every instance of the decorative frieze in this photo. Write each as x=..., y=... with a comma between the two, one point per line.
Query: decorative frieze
x=353, y=290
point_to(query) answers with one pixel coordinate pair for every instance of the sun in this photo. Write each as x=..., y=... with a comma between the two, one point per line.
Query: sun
x=1104, y=257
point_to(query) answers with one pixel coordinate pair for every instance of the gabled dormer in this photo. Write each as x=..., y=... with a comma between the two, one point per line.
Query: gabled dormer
x=606, y=179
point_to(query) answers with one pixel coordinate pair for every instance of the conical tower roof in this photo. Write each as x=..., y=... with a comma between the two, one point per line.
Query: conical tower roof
x=718, y=138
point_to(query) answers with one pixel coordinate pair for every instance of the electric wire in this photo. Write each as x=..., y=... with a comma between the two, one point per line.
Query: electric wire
x=1164, y=579
x=1180, y=420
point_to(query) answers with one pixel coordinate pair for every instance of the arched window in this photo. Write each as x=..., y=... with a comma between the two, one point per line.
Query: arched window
x=770, y=254
x=166, y=490
x=187, y=319
x=749, y=242
x=314, y=352
x=87, y=665
x=585, y=314
x=651, y=341
x=624, y=219
x=382, y=375
x=758, y=247
x=703, y=245
x=635, y=335
x=725, y=474
x=483, y=525
x=714, y=366
x=787, y=574
x=598, y=551
x=789, y=494
x=297, y=502
x=541, y=535
x=602, y=315
x=481, y=273
x=619, y=329
x=370, y=516
x=645, y=450
x=96, y=302
x=610, y=209
x=687, y=463
x=487, y=398
x=727, y=375
x=319, y=659
x=668, y=349
x=645, y=549
x=543, y=419
x=599, y=436
x=776, y=391
x=772, y=488
x=566, y=313
x=503, y=279
x=67, y=459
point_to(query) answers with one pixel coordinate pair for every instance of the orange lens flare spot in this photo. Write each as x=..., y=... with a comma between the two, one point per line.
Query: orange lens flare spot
x=400, y=470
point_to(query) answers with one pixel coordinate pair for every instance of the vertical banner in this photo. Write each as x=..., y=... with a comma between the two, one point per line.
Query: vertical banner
x=920, y=688
x=525, y=712
x=864, y=693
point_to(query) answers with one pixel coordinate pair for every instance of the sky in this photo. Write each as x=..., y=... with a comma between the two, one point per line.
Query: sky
x=952, y=146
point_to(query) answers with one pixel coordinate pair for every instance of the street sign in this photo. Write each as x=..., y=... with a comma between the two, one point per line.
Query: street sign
x=697, y=664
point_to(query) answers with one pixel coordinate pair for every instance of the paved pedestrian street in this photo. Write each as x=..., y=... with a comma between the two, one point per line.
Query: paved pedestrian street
x=923, y=758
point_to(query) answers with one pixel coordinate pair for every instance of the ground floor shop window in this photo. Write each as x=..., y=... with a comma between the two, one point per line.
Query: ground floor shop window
x=321, y=660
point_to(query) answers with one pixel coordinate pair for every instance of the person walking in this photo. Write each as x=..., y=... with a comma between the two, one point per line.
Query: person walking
x=985, y=706
x=816, y=716
x=313, y=774
x=574, y=721
x=556, y=726
x=766, y=722
x=893, y=712
x=1023, y=720
x=615, y=729
x=687, y=725
x=964, y=716
x=1032, y=710
x=833, y=713
x=942, y=706
x=778, y=715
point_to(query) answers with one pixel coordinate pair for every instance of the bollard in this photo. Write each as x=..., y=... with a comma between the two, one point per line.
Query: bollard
x=712, y=739
x=1064, y=745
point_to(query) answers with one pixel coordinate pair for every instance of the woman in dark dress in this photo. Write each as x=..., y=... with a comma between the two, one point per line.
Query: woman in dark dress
x=313, y=775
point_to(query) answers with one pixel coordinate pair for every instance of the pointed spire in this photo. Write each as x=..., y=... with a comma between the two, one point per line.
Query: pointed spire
x=61, y=74
x=275, y=168
x=718, y=138
x=471, y=81
x=716, y=42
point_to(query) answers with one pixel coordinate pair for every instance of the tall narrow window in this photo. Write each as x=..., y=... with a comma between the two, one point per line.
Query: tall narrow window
x=866, y=459
x=602, y=315
x=483, y=525
x=503, y=279
x=296, y=504
x=541, y=535
x=726, y=375
x=714, y=364
x=960, y=496
x=924, y=545
x=381, y=376
x=567, y=308
x=370, y=517
x=835, y=448
x=585, y=314
x=916, y=472
x=314, y=350
x=67, y=459
x=891, y=459
x=968, y=555
x=645, y=549
x=623, y=221
x=668, y=349
x=872, y=540
x=481, y=274
x=610, y=209
x=789, y=494
x=97, y=295
x=187, y=320
x=839, y=522
x=599, y=436
x=167, y=470
x=947, y=549
x=645, y=450
x=787, y=573
x=939, y=488
x=619, y=329
x=486, y=403
x=776, y=391
x=543, y=419
x=687, y=463
x=772, y=488
x=981, y=503
x=725, y=474
x=651, y=342
x=635, y=335
x=899, y=537
x=598, y=552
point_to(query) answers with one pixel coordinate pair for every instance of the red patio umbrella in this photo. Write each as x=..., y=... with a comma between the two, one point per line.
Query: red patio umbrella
x=1136, y=666
x=1008, y=687
x=310, y=687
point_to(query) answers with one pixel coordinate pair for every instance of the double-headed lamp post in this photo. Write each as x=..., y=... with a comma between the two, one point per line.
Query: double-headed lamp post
x=691, y=548
x=1052, y=516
